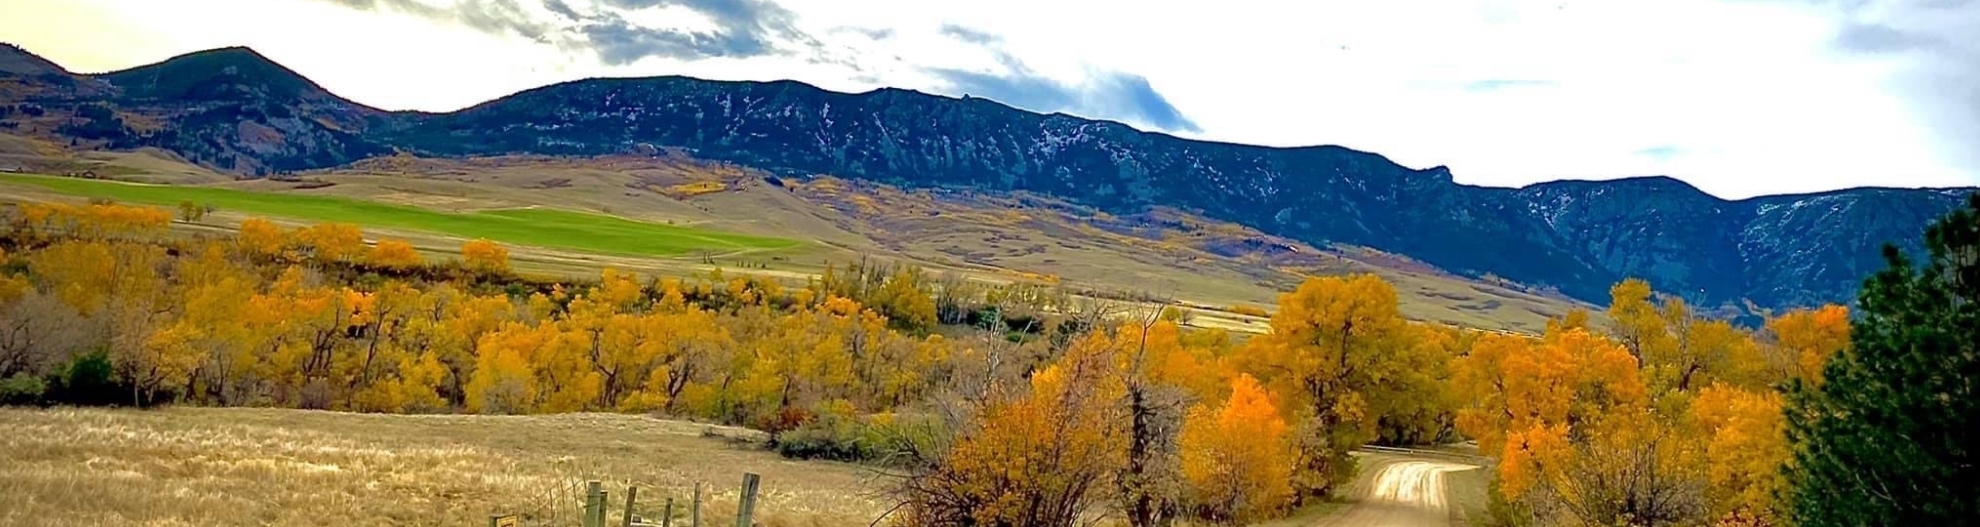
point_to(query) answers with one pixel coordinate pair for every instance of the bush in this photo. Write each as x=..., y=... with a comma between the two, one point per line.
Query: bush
x=877, y=439
x=22, y=389
x=834, y=438
x=86, y=380
x=1501, y=511
x=1248, y=310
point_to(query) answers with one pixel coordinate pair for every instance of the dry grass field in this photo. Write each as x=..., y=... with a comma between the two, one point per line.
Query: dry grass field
x=241, y=466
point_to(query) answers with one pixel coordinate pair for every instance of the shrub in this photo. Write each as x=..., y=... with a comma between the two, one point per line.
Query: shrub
x=885, y=439
x=1255, y=311
x=22, y=389
x=834, y=438
x=89, y=380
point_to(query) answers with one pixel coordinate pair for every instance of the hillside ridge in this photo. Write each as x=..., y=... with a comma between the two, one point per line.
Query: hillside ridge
x=1575, y=236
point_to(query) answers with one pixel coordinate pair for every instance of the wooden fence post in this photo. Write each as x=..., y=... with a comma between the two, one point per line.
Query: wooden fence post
x=746, y=505
x=594, y=505
x=667, y=520
x=694, y=513
x=630, y=493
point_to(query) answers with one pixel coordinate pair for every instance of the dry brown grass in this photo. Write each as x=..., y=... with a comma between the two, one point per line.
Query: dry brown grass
x=238, y=466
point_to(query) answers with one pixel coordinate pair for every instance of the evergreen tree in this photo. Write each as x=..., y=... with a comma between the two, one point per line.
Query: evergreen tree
x=1889, y=437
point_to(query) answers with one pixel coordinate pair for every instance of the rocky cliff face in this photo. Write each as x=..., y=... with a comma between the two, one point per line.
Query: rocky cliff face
x=1772, y=250
x=236, y=111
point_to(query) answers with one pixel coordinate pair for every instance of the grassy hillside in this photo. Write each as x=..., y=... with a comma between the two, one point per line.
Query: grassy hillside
x=240, y=466
x=674, y=215
x=528, y=226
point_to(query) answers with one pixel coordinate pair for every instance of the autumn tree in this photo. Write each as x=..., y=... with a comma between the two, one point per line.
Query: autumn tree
x=1679, y=350
x=485, y=256
x=1040, y=458
x=216, y=300
x=1156, y=372
x=262, y=238
x=504, y=379
x=1336, y=348
x=1804, y=339
x=904, y=299
x=165, y=356
x=1674, y=422
x=393, y=254
x=692, y=347
x=95, y=221
x=1237, y=458
x=457, y=338
x=1886, y=437
x=22, y=307
x=1519, y=387
x=331, y=242
x=190, y=212
x=1569, y=419
x=1745, y=436
x=1423, y=408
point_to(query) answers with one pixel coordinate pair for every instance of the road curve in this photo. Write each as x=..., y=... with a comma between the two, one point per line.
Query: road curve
x=1399, y=492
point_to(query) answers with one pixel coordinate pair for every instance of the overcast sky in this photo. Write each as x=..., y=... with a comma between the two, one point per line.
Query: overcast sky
x=1738, y=97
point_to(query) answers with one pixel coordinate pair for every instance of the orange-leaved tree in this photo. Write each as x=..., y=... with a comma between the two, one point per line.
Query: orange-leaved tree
x=1039, y=458
x=1237, y=458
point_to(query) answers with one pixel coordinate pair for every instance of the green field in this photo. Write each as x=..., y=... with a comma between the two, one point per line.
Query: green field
x=559, y=229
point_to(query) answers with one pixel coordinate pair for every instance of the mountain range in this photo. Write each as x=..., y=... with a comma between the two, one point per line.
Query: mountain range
x=236, y=111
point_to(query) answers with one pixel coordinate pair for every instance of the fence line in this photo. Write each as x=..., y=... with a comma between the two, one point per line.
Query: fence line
x=594, y=507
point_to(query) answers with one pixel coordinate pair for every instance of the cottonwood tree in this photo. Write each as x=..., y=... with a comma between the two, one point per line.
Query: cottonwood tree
x=393, y=254
x=485, y=256
x=1335, y=346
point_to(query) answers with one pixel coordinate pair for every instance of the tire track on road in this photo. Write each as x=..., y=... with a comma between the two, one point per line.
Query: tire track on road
x=1403, y=492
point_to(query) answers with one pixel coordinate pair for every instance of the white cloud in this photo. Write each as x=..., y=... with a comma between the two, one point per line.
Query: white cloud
x=1739, y=97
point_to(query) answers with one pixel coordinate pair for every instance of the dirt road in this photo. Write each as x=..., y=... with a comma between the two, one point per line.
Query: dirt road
x=1401, y=491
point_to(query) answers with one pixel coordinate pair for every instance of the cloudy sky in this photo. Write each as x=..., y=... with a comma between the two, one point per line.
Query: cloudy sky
x=1738, y=97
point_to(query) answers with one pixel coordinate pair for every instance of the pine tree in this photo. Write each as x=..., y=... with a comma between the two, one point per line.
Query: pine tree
x=1887, y=438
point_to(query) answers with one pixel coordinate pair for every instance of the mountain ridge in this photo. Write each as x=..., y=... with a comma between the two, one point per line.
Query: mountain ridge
x=1576, y=236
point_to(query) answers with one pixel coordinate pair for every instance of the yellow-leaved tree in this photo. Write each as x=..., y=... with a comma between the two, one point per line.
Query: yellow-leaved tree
x=261, y=238
x=1566, y=417
x=332, y=242
x=485, y=256
x=393, y=254
x=504, y=379
x=1745, y=437
x=1804, y=340
x=1336, y=352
